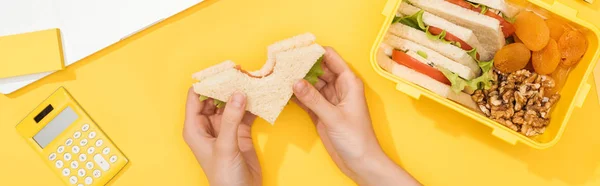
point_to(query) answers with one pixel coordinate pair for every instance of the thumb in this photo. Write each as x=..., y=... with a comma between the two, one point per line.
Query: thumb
x=311, y=98
x=230, y=121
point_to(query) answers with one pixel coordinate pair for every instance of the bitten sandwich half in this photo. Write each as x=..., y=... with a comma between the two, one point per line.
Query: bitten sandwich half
x=269, y=89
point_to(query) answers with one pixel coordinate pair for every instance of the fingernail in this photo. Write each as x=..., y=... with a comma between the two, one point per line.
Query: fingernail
x=237, y=100
x=300, y=87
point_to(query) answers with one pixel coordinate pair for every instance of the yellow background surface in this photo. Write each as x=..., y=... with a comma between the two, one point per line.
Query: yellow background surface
x=136, y=92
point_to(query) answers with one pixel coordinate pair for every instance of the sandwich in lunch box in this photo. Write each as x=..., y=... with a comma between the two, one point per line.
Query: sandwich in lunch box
x=435, y=54
x=490, y=20
x=487, y=55
x=269, y=89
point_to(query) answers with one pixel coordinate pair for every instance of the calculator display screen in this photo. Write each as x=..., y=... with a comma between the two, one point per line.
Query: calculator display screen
x=65, y=118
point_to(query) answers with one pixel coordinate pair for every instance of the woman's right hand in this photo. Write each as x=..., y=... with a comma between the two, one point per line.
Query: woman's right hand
x=337, y=106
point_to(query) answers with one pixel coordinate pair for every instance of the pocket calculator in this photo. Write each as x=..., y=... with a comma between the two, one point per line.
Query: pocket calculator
x=70, y=143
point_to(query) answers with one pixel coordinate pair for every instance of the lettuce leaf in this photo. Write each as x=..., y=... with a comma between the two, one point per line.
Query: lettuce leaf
x=477, y=5
x=486, y=65
x=458, y=83
x=219, y=103
x=313, y=74
x=457, y=44
x=483, y=9
x=415, y=20
x=422, y=54
x=473, y=53
x=482, y=82
x=439, y=37
x=216, y=102
x=508, y=19
x=202, y=98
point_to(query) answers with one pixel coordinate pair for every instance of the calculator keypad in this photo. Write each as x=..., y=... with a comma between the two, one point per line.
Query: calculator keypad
x=77, y=159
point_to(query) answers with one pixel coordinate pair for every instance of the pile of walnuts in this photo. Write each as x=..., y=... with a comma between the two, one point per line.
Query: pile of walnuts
x=517, y=101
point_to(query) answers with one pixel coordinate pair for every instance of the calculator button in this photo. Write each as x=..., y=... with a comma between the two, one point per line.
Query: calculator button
x=67, y=156
x=73, y=179
x=99, y=143
x=69, y=142
x=52, y=157
x=81, y=173
x=89, y=165
x=82, y=157
x=92, y=135
x=88, y=180
x=83, y=142
x=101, y=162
x=75, y=149
x=66, y=171
x=60, y=149
x=59, y=164
x=91, y=150
x=97, y=173
x=85, y=127
x=113, y=159
x=74, y=164
x=77, y=135
x=106, y=151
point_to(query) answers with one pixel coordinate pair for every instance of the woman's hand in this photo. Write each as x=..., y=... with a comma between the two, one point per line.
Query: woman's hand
x=221, y=140
x=337, y=105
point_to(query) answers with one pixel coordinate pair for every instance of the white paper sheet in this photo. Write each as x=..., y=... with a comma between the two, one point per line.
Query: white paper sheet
x=86, y=26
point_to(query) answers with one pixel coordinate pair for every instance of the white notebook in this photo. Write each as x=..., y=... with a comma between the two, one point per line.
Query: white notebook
x=86, y=26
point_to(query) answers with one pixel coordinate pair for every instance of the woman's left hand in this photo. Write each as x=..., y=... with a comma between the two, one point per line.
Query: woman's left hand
x=221, y=140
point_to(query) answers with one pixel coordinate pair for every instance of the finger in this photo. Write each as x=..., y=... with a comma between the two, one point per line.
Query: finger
x=194, y=125
x=196, y=129
x=312, y=99
x=320, y=84
x=232, y=117
x=334, y=61
x=330, y=93
x=249, y=118
x=328, y=76
x=209, y=107
x=193, y=105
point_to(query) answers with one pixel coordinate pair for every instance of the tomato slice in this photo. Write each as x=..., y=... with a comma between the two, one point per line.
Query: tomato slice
x=450, y=37
x=410, y=62
x=507, y=28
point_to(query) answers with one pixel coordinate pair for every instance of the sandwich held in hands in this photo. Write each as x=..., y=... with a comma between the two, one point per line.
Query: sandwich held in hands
x=269, y=89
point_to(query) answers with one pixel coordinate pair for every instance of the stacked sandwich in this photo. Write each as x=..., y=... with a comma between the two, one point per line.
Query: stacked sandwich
x=447, y=46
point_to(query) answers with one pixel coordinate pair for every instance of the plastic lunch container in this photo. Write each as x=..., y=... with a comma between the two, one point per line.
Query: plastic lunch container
x=572, y=94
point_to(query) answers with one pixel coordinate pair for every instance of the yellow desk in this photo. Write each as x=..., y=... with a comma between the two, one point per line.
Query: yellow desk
x=136, y=92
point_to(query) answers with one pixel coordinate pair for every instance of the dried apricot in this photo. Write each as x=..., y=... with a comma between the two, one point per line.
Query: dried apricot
x=532, y=30
x=512, y=57
x=560, y=77
x=546, y=60
x=557, y=28
x=572, y=45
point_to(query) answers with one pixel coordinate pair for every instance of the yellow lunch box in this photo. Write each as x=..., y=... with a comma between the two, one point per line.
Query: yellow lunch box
x=579, y=13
